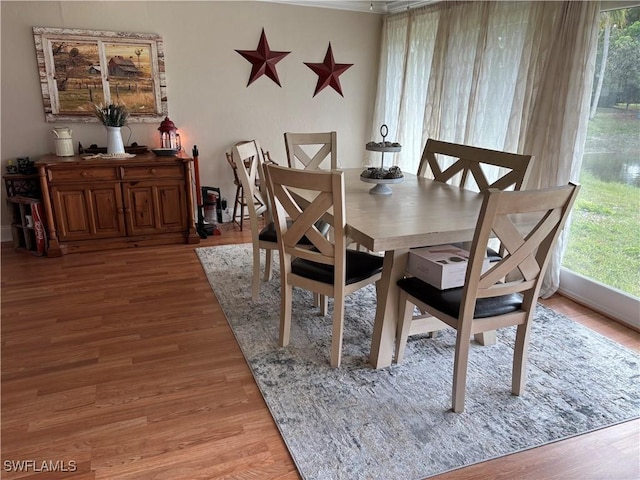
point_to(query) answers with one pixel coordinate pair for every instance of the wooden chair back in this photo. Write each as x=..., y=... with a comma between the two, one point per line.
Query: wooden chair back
x=526, y=254
x=249, y=162
x=309, y=151
x=460, y=165
x=232, y=164
x=304, y=219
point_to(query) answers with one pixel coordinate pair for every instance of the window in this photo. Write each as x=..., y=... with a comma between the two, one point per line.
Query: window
x=82, y=67
x=604, y=241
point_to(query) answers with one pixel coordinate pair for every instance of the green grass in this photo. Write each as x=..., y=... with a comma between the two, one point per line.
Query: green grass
x=604, y=242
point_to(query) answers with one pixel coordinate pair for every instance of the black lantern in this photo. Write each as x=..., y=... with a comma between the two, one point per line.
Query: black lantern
x=169, y=136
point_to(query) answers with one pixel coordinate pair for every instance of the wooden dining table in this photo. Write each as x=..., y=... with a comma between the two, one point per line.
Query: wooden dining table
x=419, y=212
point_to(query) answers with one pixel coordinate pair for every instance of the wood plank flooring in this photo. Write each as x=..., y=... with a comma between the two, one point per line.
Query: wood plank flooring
x=122, y=365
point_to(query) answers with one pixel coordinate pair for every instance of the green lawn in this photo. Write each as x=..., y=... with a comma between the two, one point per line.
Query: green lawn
x=604, y=242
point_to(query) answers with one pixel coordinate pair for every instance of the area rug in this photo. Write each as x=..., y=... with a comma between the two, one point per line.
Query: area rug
x=355, y=422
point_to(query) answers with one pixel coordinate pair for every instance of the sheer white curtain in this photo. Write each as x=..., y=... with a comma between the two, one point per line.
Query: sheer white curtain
x=512, y=76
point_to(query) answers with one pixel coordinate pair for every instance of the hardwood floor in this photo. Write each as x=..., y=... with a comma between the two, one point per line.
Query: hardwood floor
x=122, y=365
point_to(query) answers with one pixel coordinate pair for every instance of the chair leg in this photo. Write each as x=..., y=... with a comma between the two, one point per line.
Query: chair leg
x=460, y=369
x=235, y=207
x=405, y=314
x=486, y=338
x=268, y=265
x=321, y=301
x=285, y=313
x=255, y=281
x=520, y=354
x=429, y=334
x=238, y=201
x=338, y=330
x=324, y=305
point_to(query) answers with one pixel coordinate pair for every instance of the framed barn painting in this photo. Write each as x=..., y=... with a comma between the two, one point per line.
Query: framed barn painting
x=81, y=67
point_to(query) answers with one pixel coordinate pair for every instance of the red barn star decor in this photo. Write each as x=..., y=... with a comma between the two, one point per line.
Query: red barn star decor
x=328, y=72
x=263, y=60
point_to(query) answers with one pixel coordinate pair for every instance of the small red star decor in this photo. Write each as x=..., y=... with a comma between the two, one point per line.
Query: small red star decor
x=263, y=60
x=328, y=72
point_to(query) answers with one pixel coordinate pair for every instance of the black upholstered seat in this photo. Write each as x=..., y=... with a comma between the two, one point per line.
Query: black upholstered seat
x=448, y=301
x=360, y=265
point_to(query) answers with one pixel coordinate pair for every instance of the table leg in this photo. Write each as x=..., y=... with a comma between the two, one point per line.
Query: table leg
x=384, y=328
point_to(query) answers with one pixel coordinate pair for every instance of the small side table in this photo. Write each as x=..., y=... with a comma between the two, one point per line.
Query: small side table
x=27, y=226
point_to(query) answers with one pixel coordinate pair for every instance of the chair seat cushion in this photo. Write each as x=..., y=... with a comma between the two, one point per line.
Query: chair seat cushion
x=448, y=301
x=268, y=233
x=360, y=266
x=493, y=256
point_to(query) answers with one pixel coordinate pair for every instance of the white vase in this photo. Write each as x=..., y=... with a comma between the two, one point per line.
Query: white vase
x=114, y=141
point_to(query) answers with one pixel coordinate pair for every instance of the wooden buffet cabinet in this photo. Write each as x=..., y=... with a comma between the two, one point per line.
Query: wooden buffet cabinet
x=101, y=203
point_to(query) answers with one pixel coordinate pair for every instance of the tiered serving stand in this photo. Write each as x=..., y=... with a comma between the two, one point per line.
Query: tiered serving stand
x=382, y=177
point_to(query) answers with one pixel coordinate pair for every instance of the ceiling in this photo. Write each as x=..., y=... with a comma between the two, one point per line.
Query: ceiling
x=376, y=6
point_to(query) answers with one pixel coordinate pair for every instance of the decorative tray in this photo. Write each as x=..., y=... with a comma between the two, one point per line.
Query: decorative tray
x=165, y=152
x=382, y=177
x=109, y=155
x=376, y=174
x=382, y=181
x=383, y=147
x=133, y=148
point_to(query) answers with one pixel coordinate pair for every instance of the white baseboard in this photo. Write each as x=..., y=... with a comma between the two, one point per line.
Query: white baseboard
x=608, y=301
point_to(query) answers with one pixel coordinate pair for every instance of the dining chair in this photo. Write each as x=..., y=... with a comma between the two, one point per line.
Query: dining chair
x=249, y=161
x=239, y=201
x=309, y=151
x=468, y=167
x=328, y=268
x=506, y=294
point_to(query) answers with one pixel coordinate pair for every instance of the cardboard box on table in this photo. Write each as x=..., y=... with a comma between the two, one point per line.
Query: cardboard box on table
x=443, y=266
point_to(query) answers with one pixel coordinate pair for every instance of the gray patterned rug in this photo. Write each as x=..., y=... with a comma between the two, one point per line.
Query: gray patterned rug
x=355, y=422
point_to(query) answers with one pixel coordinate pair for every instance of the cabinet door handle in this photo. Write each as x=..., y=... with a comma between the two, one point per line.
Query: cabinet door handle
x=153, y=171
x=84, y=174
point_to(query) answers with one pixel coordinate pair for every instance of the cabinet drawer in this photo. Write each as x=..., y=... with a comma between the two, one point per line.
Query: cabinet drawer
x=82, y=174
x=149, y=172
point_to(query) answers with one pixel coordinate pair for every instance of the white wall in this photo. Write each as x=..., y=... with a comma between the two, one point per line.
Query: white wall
x=207, y=94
